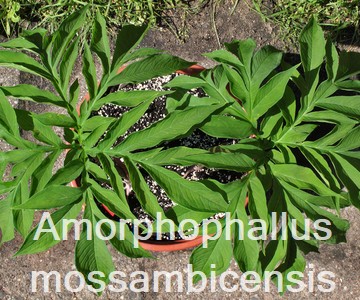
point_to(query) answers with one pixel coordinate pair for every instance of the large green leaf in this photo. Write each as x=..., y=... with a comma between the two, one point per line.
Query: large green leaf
x=190, y=194
x=129, y=98
x=227, y=127
x=92, y=254
x=51, y=197
x=68, y=173
x=32, y=93
x=172, y=127
x=100, y=42
x=46, y=240
x=218, y=252
x=6, y=221
x=122, y=124
x=126, y=245
x=348, y=105
x=150, y=67
x=8, y=116
x=143, y=193
x=68, y=62
x=89, y=71
x=128, y=38
x=312, y=46
x=269, y=94
x=235, y=161
x=65, y=33
x=263, y=63
x=22, y=62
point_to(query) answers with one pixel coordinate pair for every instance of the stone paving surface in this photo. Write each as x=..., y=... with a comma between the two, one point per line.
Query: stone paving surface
x=343, y=260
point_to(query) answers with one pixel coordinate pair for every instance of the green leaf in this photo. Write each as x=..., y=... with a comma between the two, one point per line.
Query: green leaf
x=69, y=172
x=40, y=131
x=126, y=246
x=349, y=65
x=146, y=198
x=275, y=253
x=8, y=116
x=244, y=50
x=235, y=161
x=38, y=37
x=300, y=198
x=97, y=172
x=223, y=56
x=269, y=94
x=99, y=131
x=129, y=98
x=351, y=141
x=348, y=172
x=128, y=38
x=65, y=33
x=312, y=46
x=53, y=119
x=301, y=177
x=294, y=261
x=92, y=254
x=150, y=67
x=349, y=85
x=321, y=166
x=169, y=156
x=68, y=62
x=122, y=124
x=263, y=63
x=32, y=93
x=246, y=250
x=89, y=71
x=19, y=43
x=43, y=173
x=92, y=123
x=299, y=133
x=22, y=62
x=74, y=92
x=23, y=219
x=348, y=105
x=100, y=42
x=179, y=213
x=46, y=240
x=114, y=170
x=186, y=82
x=227, y=127
x=46, y=134
x=217, y=253
x=112, y=201
x=6, y=221
x=141, y=53
x=332, y=60
x=190, y=194
x=170, y=128
x=257, y=200
x=51, y=197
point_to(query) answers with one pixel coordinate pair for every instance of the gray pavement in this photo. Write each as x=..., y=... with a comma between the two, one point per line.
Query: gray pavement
x=343, y=260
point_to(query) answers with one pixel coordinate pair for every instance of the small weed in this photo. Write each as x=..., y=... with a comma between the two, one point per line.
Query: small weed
x=340, y=18
x=50, y=13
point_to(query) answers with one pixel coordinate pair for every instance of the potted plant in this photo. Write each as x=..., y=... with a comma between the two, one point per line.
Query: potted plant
x=30, y=184
x=247, y=98
x=298, y=142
